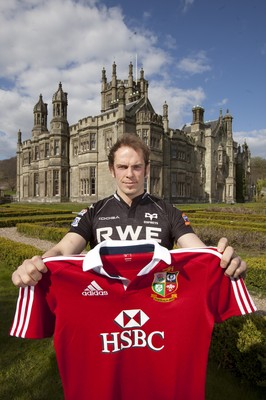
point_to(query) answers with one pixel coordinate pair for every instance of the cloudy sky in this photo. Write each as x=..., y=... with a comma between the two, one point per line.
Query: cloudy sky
x=193, y=52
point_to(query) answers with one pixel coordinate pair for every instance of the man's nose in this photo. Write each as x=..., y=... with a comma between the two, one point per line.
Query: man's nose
x=130, y=171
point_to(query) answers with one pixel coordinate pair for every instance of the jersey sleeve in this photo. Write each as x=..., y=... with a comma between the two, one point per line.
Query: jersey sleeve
x=33, y=317
x=229, y=297
x=180, y=223
x=82, y=224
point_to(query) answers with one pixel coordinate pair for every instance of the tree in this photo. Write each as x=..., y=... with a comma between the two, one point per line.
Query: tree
x=8, y=174
x=258, y=169
x=261, y=188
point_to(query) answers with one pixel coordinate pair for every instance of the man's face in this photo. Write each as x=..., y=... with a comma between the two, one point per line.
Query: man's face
x=129, y=172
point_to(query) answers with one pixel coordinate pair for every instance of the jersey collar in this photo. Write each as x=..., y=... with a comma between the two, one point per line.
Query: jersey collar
x=93, y=259
x=135, y=200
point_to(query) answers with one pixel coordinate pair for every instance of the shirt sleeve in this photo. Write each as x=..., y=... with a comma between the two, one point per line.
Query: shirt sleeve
x=180, y=223
x=82, y=224
x=229, y=297
x=33, y=318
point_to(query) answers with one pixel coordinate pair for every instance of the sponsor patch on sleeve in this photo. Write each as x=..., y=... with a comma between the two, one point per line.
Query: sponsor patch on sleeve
x=75, y=222
x=82, y=212
x=185, y=218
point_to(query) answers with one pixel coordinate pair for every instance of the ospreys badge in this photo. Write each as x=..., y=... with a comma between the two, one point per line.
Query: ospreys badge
x=164, y=286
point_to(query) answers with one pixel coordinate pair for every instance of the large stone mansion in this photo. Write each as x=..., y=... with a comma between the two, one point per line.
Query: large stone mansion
x=199, y=163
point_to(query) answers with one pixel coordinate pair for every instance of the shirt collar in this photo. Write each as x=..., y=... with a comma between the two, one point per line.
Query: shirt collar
x=135, y=200
x=93, y=259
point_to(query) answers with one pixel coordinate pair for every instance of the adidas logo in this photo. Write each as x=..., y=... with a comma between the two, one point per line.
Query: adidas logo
x=94, y=290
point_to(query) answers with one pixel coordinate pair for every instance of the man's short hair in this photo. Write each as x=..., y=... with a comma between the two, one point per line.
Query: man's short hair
x=129, y=140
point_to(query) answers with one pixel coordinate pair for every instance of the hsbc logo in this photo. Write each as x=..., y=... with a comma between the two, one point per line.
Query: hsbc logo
x=131, y=338
x=131, y=319
x=151, y=216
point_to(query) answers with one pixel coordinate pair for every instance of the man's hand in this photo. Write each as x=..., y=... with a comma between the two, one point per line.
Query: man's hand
x=233, y=265
x=29, y=272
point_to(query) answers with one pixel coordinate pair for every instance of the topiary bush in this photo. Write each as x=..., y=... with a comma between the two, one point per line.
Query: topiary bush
x=52, y=234
x=239, y=344
x=13, y=253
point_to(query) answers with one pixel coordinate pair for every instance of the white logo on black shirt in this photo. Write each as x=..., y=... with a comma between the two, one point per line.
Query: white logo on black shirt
x=108, y=218
x=76, y=221
x=151, y=216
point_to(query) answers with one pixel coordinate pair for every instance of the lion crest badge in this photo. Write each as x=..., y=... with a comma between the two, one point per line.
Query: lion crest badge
x=164, y=286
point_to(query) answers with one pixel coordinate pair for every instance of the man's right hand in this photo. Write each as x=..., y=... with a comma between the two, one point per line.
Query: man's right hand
x=29, y=273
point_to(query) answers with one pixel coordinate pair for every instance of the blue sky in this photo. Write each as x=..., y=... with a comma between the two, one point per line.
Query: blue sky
x=194, y=52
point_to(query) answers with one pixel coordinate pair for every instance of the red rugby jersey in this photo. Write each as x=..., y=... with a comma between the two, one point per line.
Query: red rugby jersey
x=131, y=319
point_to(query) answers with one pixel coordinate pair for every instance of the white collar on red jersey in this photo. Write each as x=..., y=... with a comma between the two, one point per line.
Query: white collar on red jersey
x=93, y=259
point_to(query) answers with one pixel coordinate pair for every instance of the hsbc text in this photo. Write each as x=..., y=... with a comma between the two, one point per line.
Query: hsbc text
x=117, y=341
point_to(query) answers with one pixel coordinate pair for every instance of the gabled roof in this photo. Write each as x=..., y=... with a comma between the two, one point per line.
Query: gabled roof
x=142, y=104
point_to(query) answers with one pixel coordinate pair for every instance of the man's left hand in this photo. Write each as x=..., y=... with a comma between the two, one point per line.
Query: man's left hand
x=233, y=265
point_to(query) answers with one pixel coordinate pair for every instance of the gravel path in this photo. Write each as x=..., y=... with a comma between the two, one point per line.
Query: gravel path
x=12, y=234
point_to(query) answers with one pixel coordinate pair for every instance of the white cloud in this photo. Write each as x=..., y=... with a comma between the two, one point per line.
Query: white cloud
x=223, y=102
x=182, y=101
x=186, y=4
x=170, y=42
x=195, y=64
x=147, y=15
x=255, y=139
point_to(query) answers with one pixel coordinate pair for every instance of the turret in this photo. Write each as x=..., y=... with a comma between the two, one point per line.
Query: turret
x=165, y=117
x=19, y=142
x=197, y=119
x=228, y=122
x=40, y=118
x=198, y=115
x=114, y=83
x=130, y=77
x=60, y=104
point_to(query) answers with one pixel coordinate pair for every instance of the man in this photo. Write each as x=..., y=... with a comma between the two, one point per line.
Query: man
x=131, y=213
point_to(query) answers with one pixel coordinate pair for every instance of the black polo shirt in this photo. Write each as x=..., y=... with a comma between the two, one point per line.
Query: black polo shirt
x=148, y=217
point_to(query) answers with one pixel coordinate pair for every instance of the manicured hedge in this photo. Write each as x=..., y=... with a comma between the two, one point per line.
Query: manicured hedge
x=229, y=216
x=19, y=213
x=238, y=238
x=239, y=344
x=244, y=226
x=9, y=222
x=42, y=232
x=256, y=276
x=13, y=253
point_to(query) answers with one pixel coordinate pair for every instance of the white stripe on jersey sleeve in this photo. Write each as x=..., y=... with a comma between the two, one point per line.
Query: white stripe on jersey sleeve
x=239, y=303
x=244, y=299
x=22, y=316
x=28, y=311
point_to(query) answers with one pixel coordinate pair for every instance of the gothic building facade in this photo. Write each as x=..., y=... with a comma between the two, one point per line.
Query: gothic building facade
x=199, y=163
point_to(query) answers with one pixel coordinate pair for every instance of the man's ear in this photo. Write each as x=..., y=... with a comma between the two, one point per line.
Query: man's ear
x=112, y=172
x=147, y=170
